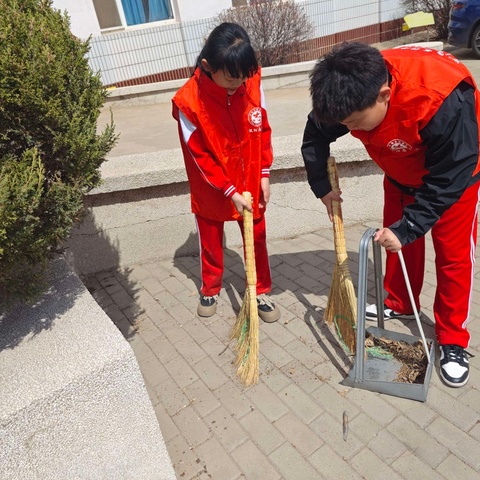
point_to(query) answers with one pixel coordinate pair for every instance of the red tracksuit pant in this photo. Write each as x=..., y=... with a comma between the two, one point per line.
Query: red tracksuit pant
x=210, y=233
x=454, y=240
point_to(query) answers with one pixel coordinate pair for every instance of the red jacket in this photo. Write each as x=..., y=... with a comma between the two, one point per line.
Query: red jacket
x=226, y=143
x=420, y=83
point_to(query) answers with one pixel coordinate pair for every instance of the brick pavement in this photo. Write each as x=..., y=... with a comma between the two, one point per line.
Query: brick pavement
x=288, y=426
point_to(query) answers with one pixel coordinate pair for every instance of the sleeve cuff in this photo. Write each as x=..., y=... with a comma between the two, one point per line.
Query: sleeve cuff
x=265, y=172
x=229, y=190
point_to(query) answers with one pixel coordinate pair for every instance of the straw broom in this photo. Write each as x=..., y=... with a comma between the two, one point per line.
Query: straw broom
x=246, y=326
x=342, y=303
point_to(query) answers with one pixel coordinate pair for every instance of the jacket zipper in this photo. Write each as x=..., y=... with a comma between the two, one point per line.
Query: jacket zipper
x=238, y=142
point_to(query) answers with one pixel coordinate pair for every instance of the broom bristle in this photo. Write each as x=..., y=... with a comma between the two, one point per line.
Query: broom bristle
x=342, y=308
x=342, y=303
x=246, y=333
x=246, y=326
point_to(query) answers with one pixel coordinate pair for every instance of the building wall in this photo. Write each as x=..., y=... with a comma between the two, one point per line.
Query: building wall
x=83, y=19
x=168, y=50
x=194, y=9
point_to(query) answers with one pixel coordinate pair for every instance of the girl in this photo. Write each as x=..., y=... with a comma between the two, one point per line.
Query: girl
x=226, y=144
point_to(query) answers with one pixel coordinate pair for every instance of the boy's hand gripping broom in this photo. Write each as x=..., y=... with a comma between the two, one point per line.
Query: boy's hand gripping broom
x=246, y=327
x=342, y=303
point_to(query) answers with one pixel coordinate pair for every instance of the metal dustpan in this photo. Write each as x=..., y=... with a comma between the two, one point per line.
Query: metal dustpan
x=372, y=372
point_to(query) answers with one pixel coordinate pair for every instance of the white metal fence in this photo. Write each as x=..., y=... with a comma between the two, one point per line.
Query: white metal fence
x=166, y=52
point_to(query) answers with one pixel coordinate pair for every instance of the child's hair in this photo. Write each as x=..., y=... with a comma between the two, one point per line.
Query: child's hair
x=348, y=79
x=228, y=48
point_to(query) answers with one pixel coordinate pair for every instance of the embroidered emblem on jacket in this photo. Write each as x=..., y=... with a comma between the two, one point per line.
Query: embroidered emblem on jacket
x=255, y=116
x=398, y=145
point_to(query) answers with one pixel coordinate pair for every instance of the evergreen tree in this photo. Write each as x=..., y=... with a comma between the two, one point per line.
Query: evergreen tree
x=50, y=151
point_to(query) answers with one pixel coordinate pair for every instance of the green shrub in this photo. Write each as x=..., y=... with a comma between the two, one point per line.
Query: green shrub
x=50, y=151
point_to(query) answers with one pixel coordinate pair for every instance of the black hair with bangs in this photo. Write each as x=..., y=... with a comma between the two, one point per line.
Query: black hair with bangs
x=228, y=48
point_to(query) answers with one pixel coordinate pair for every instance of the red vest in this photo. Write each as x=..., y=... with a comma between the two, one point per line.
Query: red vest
x=421, y=80
x=231, y=128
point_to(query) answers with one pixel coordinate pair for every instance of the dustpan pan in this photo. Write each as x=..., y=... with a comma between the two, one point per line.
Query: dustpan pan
x=378, y=373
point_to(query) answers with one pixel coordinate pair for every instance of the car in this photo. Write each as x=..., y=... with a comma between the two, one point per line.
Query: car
x=464, y=25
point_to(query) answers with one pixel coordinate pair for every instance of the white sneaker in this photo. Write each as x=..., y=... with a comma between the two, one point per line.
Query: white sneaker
x=454, y=368
x=388, y=313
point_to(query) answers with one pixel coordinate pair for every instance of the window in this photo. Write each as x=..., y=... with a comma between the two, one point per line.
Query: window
x=118, y=13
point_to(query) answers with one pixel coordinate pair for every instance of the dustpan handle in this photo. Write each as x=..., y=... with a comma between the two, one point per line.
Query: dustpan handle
x=414, y=306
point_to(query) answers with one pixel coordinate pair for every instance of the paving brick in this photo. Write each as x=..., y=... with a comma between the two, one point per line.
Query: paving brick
x=298, y=434
x=210, y=373
x=301, y=376
x=373, y=405
x=457, y=441
x=238, y=403
x=334, y=402
x=217, y=463
x=267, y=401
x=277, y=332
x=424, y=444
x=330, y=430
x=364, y=427
x=300, y=403
x=167, y=425
x=305, y=354
x=189, y=349
x=220, y=353
x=368, y=465
x=292, y=465
x=412, y=468
x=282, y=283
x=261, y=430
x=387, y=447
x=272, y=377
x=141, y=349
x=163, y=349
x=453, y=467
x=198, y=330
x=191, y=426
x=186, y=460
x=226, y=427
x=332, y=466
x=179, y=369
x=253, y=463
x=452, y=410
x=171, y=396
x=146, y=328
x=471, y=399
x=166, y=300
x=275, y=353
x=201, y=398
x=139, y=273
x=153, y=371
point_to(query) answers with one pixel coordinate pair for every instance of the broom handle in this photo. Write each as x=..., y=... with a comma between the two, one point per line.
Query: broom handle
x=248, y=241
x=338, y=231
x=412, y=300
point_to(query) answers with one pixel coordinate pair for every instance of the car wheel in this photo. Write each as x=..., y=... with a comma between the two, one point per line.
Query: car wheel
x=476, y=42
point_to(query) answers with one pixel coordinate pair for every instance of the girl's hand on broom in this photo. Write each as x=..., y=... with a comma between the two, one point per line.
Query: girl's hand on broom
x=328, y=199
x=388, y=240
x=240, y=203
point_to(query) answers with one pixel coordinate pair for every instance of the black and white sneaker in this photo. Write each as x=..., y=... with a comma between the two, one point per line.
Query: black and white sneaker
x=207, y=306
x=267, y=310
x=388, y=313
x=454, y=365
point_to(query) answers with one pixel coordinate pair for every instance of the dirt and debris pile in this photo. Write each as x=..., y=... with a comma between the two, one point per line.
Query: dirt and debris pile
x=411, y=355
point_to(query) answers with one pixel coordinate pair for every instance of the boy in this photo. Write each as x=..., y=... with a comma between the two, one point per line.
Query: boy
x=416, y=111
